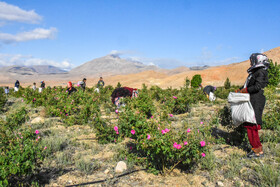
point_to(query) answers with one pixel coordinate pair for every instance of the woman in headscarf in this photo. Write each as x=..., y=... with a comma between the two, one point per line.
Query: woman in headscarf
x=254, y=85
x=70, y=88
x=122, y=92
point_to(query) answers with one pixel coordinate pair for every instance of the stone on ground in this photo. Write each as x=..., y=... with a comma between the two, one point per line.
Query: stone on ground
x=38, y=120
x=121, y=167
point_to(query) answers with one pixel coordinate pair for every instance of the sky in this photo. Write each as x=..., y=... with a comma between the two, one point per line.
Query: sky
x=166, y=33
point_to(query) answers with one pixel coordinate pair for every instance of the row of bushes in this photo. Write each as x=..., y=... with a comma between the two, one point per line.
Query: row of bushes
x=20, y=149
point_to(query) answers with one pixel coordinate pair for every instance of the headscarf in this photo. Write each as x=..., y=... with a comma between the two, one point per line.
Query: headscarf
x=69, y=84
x=258, y=60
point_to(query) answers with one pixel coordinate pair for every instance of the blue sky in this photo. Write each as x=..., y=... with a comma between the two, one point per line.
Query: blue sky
x=172, y=33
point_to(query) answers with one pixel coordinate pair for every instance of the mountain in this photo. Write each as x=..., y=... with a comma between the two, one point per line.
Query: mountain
x=110, y=65
x=19, y=70
x=47, y=69
x=32, y=70
x=199, y=67
x=114, y=70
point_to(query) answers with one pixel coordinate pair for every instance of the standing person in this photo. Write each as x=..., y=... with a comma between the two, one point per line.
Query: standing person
x=257, y=80
x=43, y=84
x=70, y=88
x=34, y=86
x=208, y=90
x=17, y=84
x=7, y=90
x=83, y=84
x=100, y=83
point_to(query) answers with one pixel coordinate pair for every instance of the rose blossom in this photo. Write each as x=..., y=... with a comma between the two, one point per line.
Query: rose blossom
x=202, y=143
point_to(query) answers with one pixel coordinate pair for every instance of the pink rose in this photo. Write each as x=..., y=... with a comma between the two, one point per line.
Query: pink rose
x=45, y=147
x=202, y=143
x=185, y=143
x=117, y=132
x=116, y=128
x=165, y=131
x=132, y=131
x=203, y=154
x=171, y=115
x=116, y=111
x=148, y=136
x=201, y=122
x=175, y=97
x=189, y=130
x=177, y=146
x=36, y=132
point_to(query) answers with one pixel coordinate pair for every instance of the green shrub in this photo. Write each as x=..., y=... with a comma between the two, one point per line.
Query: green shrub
x=227, y=84
x=272, y=117
x=196, y=81
x=274, y=73
x=3, y=99
x=20, y=148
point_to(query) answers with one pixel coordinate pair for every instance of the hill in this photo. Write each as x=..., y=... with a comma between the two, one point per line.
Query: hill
x=110, y=65
x=134, y=74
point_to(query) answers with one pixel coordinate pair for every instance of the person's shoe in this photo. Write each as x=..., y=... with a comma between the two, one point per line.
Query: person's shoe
x=261, y=152
x=255, y=153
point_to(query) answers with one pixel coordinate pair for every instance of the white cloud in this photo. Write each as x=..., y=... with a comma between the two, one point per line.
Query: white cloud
x=35, y=34
x=28, y=60
x=10, y=12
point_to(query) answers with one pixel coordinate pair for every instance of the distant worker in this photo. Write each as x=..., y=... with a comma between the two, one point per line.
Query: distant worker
x=122, y=92
x=34, y=86
x=83, y=84
x=209, y=92
x=100, y=83
x=43, y=84
x=42, y=87
x=7, y=90
x=17, y=84
x=70, y=88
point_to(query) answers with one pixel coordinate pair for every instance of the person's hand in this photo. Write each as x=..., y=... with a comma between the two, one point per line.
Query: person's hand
x=244, y=90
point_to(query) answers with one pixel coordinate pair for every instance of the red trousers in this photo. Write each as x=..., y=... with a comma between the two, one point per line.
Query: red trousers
x=253, y=135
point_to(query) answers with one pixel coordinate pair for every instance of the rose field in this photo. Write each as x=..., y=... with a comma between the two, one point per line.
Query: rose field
x=164, y=137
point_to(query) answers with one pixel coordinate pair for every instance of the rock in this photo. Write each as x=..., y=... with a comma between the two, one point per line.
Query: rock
x=106, y=171
x=121, y=167
x=219, y=183
x=38, y=120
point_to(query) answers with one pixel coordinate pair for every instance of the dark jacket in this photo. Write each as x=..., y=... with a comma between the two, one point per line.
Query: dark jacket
x=121, y=92
x=100, y=84
x=208, y=89
x=255, y=86
x=17, y=84
x=71, y=91
x=43, y=85
x=83, y=85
